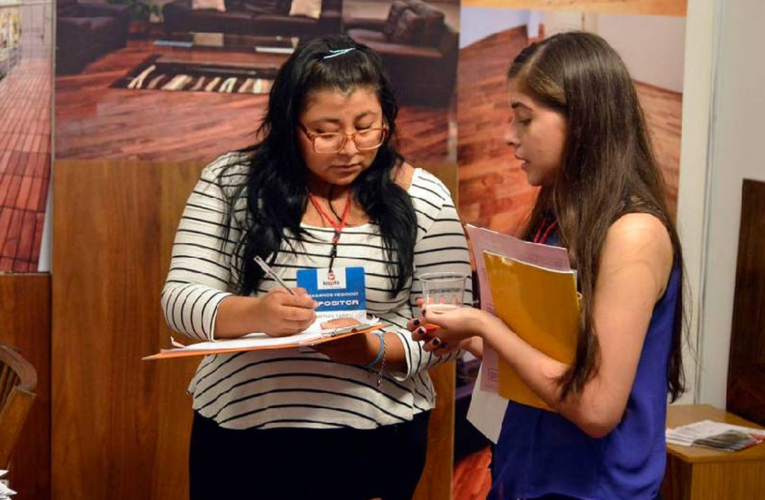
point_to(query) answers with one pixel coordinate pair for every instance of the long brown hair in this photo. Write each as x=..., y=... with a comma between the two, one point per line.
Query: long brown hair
x=609, y=169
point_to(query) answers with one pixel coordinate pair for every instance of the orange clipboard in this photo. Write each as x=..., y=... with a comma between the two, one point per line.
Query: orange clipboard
x=259, y=342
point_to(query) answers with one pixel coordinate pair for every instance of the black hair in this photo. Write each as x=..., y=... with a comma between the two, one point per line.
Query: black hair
x=275, y=191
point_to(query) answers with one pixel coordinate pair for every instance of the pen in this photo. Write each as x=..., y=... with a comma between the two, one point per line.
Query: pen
x=270, y=272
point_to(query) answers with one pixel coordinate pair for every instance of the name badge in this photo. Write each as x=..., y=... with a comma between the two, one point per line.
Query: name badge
x=341, y=293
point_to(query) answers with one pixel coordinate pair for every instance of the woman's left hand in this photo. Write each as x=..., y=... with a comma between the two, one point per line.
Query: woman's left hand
x=359, y=349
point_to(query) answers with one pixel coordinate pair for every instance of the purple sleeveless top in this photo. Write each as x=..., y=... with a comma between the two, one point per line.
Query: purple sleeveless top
x=540, y=452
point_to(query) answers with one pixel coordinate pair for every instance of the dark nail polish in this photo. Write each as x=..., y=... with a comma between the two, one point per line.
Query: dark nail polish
x=416, y=322
x=436, y=341
x=424, y=312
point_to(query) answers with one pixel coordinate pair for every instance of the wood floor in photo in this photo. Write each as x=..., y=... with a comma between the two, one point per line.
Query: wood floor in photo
x=472, y=477
x=25, y=101
x=493, y=189
x=95, y=121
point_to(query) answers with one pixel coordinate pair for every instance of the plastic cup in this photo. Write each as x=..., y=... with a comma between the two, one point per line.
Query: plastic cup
x=442, y=292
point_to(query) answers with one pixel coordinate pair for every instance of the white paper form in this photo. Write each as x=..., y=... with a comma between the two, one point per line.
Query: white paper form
x=313, y=335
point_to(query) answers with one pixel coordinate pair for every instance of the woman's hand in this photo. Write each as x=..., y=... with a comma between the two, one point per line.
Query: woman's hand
x=281, y=314
x=445, y=331
x=359, y=349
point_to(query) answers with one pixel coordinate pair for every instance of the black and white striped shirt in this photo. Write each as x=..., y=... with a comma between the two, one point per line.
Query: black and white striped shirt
x=295, y=388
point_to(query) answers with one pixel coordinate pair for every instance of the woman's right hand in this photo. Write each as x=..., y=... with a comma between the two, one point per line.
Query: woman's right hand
x=443, y=332
x=281, y=314
x=277, y=313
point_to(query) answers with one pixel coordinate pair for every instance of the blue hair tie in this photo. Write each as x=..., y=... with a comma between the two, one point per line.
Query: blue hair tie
x=380, y=352
x=338, y=52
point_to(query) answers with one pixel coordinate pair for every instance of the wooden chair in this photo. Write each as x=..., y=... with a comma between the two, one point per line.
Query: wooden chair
x=18, y=380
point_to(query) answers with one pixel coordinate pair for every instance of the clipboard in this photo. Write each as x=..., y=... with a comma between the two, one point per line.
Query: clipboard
x=261, y=341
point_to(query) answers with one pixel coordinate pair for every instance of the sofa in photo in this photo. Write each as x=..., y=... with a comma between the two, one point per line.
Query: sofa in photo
x=289, y=18
x=87, y=31
x=418, y=49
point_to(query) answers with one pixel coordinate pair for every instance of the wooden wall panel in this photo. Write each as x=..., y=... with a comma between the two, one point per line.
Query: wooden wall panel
x=174, y=420
x=436, y=481
x=746, y=367
x=654, y=7
x=25, y=324
x=106, y=285
x=121, y=425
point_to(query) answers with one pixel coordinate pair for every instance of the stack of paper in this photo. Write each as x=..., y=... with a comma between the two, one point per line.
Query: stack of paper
x=715, y=435
x=487, y=408
x=5, y=491
x=313, y=335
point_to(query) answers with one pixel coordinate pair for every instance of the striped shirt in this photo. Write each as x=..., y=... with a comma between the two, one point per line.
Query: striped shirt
x=301, y=387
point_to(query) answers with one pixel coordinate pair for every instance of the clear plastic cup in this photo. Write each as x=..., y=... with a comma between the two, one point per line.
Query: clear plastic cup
x=443, y=291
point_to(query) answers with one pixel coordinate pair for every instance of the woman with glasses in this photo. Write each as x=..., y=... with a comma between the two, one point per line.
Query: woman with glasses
x=324, y=188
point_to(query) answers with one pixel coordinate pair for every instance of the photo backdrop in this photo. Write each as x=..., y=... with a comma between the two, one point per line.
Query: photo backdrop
x=493, y=190
x=26, y=89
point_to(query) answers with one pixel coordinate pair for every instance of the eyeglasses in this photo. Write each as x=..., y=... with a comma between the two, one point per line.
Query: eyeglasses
x=334, y=142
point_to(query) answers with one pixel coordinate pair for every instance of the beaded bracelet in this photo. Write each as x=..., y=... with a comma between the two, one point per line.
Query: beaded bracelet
x=380, y=352
x=382, y=363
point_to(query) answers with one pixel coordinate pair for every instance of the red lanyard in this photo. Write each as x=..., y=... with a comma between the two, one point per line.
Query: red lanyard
x=337, y=227
x=541, y=237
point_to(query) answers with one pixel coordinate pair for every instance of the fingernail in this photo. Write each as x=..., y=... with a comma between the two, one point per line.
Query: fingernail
x=436, y=341
x=424, y=311
x=417, y=322
x=421, y=330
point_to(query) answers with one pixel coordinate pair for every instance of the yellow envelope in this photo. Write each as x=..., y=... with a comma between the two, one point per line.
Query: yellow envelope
x=542, y=307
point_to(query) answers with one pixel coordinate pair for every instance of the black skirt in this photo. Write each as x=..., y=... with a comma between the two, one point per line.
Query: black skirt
x=303, y=464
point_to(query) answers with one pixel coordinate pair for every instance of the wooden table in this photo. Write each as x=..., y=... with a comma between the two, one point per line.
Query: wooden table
x=695, y=473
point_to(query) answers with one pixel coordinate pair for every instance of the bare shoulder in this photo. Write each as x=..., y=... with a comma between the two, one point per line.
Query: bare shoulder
x=639, y=239
x=403, y=174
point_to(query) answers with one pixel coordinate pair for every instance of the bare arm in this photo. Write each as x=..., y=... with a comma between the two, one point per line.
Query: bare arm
x=635, y=266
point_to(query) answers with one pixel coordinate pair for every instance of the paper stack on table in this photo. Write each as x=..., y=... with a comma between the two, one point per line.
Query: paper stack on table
x=715, y=435
x=5, y=491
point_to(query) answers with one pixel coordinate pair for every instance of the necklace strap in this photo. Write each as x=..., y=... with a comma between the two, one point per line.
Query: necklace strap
x=338, y=227
x=544, y=231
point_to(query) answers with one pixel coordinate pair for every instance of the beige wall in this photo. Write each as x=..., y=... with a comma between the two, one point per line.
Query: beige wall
x=653, y=47
x=656, y=7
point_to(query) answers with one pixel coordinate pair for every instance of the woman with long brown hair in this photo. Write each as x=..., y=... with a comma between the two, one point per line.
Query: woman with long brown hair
x=579, y=129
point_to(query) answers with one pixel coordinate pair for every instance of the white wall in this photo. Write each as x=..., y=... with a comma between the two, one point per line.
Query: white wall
x=694, y=167
x=736, y=153
x=477, y=23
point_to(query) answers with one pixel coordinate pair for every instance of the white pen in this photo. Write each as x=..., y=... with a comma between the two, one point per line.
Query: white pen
x=270, y=272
